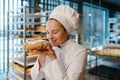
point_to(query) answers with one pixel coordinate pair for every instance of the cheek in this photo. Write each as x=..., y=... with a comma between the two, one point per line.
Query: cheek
x=59, y=36
x=62, y=37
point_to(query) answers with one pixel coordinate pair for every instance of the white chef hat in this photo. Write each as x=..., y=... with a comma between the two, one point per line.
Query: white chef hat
x=67, y=16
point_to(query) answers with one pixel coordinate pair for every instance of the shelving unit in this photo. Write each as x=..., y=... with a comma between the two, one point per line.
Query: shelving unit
x=108, y=52
x=107, y=58
x=114, y=31
x=106, y=62
x=24, y=24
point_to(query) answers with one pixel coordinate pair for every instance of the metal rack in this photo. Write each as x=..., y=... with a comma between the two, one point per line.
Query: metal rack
x=104, y=65
x=23, y=25
x=114, y=31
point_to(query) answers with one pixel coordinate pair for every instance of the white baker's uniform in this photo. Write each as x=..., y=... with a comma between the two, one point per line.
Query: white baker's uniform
x=69, y=65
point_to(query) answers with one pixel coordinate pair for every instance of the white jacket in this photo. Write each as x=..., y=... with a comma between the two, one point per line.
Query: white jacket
x=69, y=65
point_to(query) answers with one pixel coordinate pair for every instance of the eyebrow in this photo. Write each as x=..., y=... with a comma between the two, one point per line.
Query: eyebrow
x=53, y=30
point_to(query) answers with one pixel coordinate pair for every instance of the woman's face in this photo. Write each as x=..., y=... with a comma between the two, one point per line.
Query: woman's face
x=56, y=33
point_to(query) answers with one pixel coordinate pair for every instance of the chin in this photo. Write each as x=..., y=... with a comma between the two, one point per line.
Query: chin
x=55, y=45
x=52, y=44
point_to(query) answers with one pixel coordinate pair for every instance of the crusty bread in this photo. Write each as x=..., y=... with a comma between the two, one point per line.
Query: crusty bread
x=36, y=45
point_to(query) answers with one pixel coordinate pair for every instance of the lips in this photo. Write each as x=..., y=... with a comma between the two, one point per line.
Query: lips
x=52, y=41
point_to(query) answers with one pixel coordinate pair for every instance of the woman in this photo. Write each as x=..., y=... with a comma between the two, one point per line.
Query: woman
x=65, y=60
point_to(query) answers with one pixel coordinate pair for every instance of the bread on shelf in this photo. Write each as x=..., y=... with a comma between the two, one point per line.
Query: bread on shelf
x=111, y=46
x=31, y=36
x=35, y=28
x=108, y=52
x=20, y=68
x=41, y=28
x=21, y=36
x=31, y=53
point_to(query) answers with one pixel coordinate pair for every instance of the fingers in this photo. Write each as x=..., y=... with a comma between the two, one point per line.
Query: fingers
x=49, y=48
x=35, y=51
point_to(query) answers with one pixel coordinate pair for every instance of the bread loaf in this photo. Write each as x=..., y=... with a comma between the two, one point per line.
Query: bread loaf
x=36, y=45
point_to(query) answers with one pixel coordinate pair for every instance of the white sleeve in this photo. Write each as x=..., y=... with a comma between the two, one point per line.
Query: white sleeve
x=53, y=71
x=75, y=70
x=36, y=73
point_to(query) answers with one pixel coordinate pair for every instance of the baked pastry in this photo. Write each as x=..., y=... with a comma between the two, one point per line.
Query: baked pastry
x=41, y=28
x=109, y=52
x=36, y=45
x=31, y=53
x=21, y=68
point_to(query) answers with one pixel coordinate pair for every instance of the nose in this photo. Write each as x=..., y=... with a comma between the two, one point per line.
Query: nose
x=50, y=36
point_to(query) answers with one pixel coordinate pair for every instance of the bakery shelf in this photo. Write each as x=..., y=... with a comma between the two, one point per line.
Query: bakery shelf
x=109, y=50
x=12, y=79
x=42, y=31
x=112, y=60
x=106, y=56
x=32, y=56
x=20, y=53
x=22, y=63
x=29, y=37
x=24, y=24
x=18, y=45
x=17, y=76
x=20, y=68
x=32, y=29
x=104, y=53
x=28, y=23
x=34, y=38
x=35, y=15
x=114, y=30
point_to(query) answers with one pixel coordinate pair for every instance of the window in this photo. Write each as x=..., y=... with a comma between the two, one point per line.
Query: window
x=95, y=20
x=50, y=4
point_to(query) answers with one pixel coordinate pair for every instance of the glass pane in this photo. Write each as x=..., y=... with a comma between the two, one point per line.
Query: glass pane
x=94, y=24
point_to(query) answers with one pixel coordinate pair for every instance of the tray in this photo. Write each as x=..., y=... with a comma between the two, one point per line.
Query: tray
x=106, y=71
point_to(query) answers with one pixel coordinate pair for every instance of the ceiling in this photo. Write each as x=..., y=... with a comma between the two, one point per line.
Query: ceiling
x=116, y=2
x=112, y=5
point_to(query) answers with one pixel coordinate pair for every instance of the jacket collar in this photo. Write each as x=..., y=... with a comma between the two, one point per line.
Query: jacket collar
x=65, y=43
